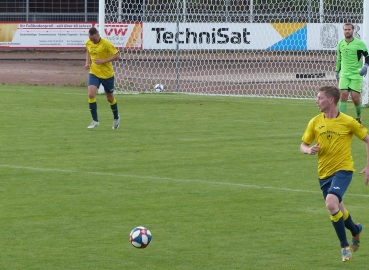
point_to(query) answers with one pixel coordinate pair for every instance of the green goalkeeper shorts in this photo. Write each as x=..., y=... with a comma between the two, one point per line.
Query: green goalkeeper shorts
x=353, y=82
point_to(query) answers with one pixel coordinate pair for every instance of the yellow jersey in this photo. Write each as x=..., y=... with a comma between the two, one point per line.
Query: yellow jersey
x=334, y=136
x=102, y=50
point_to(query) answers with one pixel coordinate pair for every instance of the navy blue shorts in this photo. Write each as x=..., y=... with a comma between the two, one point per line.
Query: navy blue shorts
x=108, y=84
x=336, y=184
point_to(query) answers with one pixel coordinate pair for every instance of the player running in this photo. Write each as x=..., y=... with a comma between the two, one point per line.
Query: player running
x=332, y=132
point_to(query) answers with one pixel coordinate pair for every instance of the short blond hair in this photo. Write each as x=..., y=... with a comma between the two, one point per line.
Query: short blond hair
x=331, y=91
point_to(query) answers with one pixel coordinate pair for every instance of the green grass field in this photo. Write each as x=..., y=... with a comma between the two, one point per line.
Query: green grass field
x=219, y=181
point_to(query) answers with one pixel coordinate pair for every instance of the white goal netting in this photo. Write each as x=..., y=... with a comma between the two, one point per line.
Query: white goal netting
x=263, y=48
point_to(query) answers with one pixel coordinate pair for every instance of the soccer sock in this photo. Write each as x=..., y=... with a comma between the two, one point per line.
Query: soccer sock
x=114, y=108
x=358, y=111
x=339, y=226
x=349, y=224
x=93, y=108
x=342, y=106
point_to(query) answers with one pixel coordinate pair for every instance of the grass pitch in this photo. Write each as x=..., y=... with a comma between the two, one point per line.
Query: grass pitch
x=219, y=181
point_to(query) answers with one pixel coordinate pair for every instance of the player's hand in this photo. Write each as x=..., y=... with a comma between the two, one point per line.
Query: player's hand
x=364, y=70
x=337, y=75
x=87, y=66
x=98, y=61
x=314, y=149
x=366, y=171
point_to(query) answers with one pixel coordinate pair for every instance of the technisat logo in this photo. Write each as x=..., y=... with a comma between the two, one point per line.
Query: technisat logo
x=214, y=36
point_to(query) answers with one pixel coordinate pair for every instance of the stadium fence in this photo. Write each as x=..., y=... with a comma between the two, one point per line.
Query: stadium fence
x=289, y=70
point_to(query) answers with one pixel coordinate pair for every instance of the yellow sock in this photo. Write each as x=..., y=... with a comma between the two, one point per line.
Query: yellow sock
x=113, y=102
x=345, y=214
x=337, y=216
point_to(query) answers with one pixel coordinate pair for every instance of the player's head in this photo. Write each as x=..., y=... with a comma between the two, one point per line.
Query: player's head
x=93, y=35
x=327, y=96
x=348, y=30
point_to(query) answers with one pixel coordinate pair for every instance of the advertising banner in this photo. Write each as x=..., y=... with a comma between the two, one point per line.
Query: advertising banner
x=66, y=35
x=184, y=36
x=230, y=36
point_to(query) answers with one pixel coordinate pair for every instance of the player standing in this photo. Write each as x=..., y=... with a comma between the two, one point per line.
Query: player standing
x=100, y=53
x=350, y=69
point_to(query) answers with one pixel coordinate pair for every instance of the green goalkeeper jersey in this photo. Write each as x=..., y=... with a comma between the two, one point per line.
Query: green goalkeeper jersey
x=349, y=56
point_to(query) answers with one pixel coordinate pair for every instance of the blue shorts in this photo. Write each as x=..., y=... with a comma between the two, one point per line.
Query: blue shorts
x=108, y=84
x=336, y=184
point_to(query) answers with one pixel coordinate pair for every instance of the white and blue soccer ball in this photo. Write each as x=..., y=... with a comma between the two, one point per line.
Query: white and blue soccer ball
x=140, y=237
x=159, y=88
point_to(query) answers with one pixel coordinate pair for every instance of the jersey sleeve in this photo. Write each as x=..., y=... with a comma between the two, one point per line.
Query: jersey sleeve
x=309, y=136
x=338, y=60
x=358, y=130
x=112, y=49
x=365, y=54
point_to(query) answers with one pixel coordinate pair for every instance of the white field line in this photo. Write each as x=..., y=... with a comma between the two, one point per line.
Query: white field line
x=171, y=179
x=184, y=96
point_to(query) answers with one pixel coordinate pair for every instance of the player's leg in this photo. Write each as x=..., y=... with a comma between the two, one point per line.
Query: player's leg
x=355, y=229
x=333, y=189
x=355, y=96
x=342, y=105
x=109, y=91
x=93, y=85
x=356, y=85
x=344, y=92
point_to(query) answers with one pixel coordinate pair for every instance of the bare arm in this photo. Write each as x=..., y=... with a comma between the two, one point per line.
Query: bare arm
x=109, y=59
x=306, y=149
x=88, y=59
x=366, y=169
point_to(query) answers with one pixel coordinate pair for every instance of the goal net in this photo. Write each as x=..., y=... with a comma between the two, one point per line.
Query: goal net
x=260, y=48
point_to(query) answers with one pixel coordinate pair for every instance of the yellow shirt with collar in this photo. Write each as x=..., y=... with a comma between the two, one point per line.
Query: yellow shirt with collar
x=334, y=136
x=103, y=49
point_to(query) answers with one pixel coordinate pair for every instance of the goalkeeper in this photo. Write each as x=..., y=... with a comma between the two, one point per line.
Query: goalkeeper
x=350, y=69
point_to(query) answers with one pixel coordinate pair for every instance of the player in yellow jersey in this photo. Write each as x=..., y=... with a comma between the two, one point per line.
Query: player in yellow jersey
x=332, y=132
x=100, y=53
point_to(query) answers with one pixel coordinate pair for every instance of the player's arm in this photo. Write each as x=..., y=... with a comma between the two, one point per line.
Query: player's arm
x=309, y=150
x=111, y=58
x=338, y=62
x=366, y=57
x=366, y=169
x=364, y=53
x=88, y=60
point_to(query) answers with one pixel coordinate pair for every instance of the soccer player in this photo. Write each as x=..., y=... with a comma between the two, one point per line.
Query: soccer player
x=350, y=69
x=332, y=132
x=100, y=53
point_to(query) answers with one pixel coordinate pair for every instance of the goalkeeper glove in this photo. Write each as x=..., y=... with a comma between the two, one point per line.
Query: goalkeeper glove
x=364, y=70
x=337, y=75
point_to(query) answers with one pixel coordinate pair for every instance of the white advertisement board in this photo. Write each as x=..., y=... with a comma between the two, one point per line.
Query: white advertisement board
x=188, y=36
x=321, y=36
x=66, y=35
x=209, y=36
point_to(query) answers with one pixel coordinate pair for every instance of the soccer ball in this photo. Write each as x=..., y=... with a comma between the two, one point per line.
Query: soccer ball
x=159, y=88
x=140, y=237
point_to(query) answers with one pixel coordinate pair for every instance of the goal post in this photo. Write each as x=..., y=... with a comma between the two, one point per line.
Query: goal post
x=101, y=22
x=278, y=49
x=365, y=90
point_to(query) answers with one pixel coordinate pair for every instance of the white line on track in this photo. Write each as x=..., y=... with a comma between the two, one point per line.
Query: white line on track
x=170, y=179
